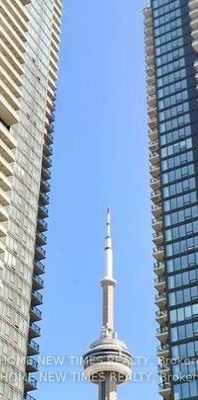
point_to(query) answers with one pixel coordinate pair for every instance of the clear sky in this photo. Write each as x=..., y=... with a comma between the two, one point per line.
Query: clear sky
x=100, y=159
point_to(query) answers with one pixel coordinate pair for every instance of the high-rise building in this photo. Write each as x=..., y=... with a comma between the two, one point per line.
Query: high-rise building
x=29, y=46
x=171, y=36
x=108, y=362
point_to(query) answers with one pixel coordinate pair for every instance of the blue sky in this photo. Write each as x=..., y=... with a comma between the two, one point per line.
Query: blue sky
x=100, y=159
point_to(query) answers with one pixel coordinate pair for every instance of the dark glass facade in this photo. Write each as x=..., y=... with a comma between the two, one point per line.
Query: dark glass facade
x=172, y=56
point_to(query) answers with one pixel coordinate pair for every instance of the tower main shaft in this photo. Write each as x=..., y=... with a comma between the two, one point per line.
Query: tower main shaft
x=108, y=389
x=108, y=362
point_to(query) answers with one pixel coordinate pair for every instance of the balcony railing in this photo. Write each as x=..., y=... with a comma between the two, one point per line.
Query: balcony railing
x=32, y=364
x=41, y=225
x=155, y=170
x=156, y=196
x=30, y=383
x=47, y=149
x=163, y=348
x=158, y=237
x=39, y=268
x=37, y=282
x=40, y=253
x=157, y=223
x=154, y=158
x=28, y=397
x=165, y=386
x=44, y=198
x=158, y=253
x=34, y=330
x=43, y=211
x=45, y=186
x=35, y=314
x=33, y=348
x=37, y=298
x=47, y=161
x=41, y=238
x=161, y=316
x=46, y=174
x=155, y=183
x=163, y=368
x=160, y=296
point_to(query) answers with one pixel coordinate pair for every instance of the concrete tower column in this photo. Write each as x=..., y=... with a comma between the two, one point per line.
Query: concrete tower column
x=107, y=389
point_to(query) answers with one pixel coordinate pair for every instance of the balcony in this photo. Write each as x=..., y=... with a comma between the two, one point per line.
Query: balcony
x=164, y=370
x=41, y=239
x=40, y=253
x=3, y=229
x=157, y=224
x=39, y=268
x=5, y=167
x=6, y=136
x=4, y=198
x=6, y=152
x=46, y=174
x=49, y=136
x=28, y=397
x=44, y=199
x=165, y=390
x=31, y=365
x=155, y=184
x=158, y=253
x=2, y=245
x=162, y=336
x=161, y=317
x=36, y=299
x=160, y=300
x=155, y=170
x=47, y=150
x=154, y=158
x=5, y=183
x=159, y=269
x=156, y=210
x=45, y=186
x=163, y=351
x=151, y=91
x=153, y=135
x=158, y=238
x=32, y=348
x=193, y=4
x=47, y=162
x=148, y=17
x=30, y=384
x=154, y=146
x=37, y=282
x=150, y=49
x=35, y=314
x=41, y=225
x=150, y=77
x=151, y=101
x=3, y=214
x=160, y=284
x=156, y=197
x=34, y=330
x=43, y=212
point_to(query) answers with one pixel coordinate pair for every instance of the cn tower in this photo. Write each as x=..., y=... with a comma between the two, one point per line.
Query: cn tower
x=108, y=362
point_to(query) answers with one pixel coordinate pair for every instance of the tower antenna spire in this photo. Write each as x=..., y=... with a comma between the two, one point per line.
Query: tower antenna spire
x=108, y=283
x=108, y=248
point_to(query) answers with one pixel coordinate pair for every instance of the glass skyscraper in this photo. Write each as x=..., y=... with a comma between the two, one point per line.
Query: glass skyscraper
x=29, y=46
x=171, y=37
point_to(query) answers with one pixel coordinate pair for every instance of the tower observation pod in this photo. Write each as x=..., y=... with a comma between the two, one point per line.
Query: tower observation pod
x=108, y=362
